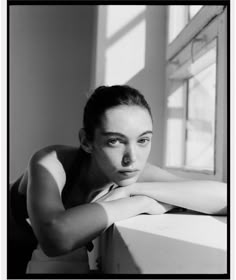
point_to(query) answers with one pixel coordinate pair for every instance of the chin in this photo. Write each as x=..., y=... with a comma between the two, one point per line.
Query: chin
x=127, y=182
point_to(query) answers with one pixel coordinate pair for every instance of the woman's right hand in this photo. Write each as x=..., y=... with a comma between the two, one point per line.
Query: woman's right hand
x=151, y=206
x=116, y=193
x=154, y=207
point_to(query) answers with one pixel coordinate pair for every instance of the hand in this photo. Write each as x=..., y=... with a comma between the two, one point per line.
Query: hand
x=117, y=193
x=156, y=208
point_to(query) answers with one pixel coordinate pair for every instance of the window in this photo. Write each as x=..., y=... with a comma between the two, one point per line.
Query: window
x=195, y=106
x=179, y=16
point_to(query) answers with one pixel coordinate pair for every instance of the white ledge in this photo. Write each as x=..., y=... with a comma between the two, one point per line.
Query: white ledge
x=177, y=243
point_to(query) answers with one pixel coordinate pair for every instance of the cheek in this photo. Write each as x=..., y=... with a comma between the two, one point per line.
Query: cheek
x=110, y=157
x=144, y=154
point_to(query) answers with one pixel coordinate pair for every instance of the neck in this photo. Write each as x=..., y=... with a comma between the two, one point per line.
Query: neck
x=96, y=178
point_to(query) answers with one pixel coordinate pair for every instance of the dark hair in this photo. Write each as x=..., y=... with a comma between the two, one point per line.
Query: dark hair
x=106, y=97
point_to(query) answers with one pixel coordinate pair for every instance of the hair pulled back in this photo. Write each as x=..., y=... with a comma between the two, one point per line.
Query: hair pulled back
x=106, y=97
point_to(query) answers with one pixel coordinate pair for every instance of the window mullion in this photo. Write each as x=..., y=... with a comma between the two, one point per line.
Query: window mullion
x=185, y=102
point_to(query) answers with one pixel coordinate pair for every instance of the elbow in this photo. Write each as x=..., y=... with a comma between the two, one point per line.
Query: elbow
x=54, y=250
x=57, y=241
x=220, y=209
x=221, y=212
x=219, y=200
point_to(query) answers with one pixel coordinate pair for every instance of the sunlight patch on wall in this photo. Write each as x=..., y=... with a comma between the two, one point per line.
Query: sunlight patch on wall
x=126, y=57
x=118, y=16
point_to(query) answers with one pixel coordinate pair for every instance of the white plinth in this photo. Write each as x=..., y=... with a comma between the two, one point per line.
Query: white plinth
x=180, y=243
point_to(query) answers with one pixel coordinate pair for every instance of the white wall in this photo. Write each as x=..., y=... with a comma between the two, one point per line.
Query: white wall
x=50, y=73
x=150, y=80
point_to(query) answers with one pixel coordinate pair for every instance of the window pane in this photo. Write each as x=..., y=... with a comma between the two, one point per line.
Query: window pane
x=194, y=9
x=175, y=127
x=178, y=18
x=200, y=142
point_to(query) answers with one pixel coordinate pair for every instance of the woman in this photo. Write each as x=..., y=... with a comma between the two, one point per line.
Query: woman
x=74, y=194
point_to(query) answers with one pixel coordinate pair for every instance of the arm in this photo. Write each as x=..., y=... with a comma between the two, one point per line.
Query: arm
x=208, y=197
x=60, y=231
x=152, y=173
x=154, y=207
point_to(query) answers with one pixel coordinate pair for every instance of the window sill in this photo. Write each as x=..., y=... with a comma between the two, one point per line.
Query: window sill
x=177, y=243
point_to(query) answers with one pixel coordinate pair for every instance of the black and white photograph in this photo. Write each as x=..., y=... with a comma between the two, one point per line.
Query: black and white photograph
x=118, y=139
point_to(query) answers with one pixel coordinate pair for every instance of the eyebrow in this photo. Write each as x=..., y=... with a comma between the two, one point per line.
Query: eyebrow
x=108, y=133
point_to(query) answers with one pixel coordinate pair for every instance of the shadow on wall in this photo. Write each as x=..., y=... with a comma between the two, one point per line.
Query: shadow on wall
x=50, y=72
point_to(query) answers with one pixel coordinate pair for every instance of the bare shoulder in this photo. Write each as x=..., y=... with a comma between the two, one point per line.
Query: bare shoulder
x=153, y=173
x=63, y=154
x=55, y=159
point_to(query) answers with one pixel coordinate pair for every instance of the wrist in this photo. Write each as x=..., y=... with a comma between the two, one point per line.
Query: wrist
x=128, y=190
x=132, y=189
x=143, y=202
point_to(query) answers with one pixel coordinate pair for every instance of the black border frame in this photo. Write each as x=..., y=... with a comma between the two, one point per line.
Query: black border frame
x=12, y=275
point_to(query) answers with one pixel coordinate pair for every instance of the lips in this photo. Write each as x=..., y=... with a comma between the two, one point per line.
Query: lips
x=128, y=173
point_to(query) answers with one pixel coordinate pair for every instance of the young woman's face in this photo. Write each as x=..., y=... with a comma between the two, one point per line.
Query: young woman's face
x=122, y=143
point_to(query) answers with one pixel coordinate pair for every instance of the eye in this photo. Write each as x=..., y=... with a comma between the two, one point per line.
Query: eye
x=144, y=141
x=114, y=142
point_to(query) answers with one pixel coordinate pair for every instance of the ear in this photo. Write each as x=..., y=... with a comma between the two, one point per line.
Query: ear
x=84, y=142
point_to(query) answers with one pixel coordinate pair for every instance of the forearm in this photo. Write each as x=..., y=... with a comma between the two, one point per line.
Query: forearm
x=77, y=226
x=208, y=197
x=124, y=208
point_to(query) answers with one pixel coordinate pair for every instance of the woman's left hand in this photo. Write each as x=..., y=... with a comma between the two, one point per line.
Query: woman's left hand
x=116, y=193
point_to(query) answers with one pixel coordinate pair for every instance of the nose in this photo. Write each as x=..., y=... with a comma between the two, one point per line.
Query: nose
x=129, y=156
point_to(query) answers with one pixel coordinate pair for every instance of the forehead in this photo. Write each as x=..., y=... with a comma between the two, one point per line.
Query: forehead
x=126, y=119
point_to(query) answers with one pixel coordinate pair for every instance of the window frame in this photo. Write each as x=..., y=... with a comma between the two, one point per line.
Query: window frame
x=214, y=25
